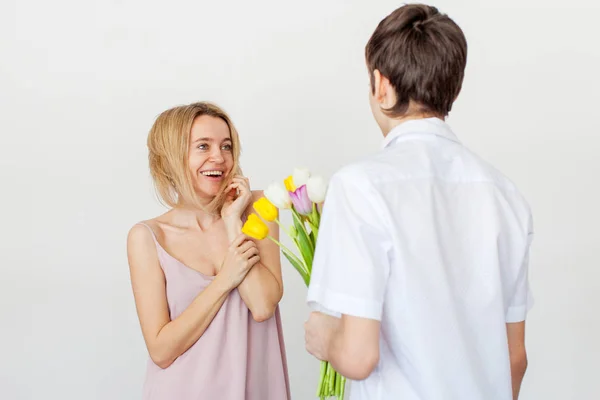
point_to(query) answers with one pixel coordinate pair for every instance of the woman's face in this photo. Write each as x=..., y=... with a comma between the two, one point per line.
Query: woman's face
x=210, y=156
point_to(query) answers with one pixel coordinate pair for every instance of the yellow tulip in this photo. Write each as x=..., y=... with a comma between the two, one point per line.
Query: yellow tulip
x=265, y=209
x=289, y=184
x=255, y=228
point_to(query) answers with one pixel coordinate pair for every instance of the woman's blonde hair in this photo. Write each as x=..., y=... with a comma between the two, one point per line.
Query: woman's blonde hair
x=168, y=146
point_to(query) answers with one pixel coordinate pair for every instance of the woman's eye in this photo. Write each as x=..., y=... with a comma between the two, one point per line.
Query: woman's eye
x=203, y=146
x=227, y=147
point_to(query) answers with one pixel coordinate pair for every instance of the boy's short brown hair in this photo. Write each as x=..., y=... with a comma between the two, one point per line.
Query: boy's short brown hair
x=423, y=53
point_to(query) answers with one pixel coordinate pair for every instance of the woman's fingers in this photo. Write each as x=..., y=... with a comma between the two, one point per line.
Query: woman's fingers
x=238, y=241
x=242, y=180
x=246, y=246
x=248, y=254
x=253, y=261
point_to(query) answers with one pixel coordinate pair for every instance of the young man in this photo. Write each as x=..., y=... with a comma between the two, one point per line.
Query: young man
x=419, y=282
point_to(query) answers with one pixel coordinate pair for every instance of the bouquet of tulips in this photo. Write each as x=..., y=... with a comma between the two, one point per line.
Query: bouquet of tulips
x=303, y=195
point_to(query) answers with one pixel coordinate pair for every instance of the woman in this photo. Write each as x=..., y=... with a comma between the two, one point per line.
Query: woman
x=206, y=295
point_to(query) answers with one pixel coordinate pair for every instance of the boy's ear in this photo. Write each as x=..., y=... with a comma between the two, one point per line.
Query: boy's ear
x=377, y=85
x=384, y=91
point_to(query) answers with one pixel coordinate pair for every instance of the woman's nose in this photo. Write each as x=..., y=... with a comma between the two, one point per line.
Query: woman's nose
x=217, y=156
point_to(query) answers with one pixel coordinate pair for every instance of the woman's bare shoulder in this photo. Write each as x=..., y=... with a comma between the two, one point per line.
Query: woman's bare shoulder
x=143, y=231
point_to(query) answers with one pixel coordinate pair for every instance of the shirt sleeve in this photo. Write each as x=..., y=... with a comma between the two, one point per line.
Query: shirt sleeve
x=522, y=298
x=351, y=262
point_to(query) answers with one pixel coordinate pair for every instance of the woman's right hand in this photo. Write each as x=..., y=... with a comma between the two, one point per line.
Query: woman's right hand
x=242, y=255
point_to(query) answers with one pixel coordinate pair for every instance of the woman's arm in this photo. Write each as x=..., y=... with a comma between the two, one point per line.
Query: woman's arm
x=165, y=339
x=262, y=288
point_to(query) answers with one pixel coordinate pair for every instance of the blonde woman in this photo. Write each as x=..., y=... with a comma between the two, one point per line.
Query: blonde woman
x=206, y=296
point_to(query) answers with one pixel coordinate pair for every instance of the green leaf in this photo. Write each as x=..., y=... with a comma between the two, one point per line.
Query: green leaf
x=304, y=242
x=298, y=265
x=314, y=219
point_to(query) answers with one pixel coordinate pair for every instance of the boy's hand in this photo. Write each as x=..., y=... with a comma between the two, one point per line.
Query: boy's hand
x=319, y=330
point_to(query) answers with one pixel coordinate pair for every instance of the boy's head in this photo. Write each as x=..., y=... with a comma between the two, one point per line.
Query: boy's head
x=416, y=60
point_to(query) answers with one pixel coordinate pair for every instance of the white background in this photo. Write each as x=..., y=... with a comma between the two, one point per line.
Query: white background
x=81, y=83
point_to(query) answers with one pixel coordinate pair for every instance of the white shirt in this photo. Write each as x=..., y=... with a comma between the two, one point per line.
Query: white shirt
x=432, y=241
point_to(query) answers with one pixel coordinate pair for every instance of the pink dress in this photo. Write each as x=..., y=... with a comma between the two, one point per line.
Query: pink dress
x=236, y=358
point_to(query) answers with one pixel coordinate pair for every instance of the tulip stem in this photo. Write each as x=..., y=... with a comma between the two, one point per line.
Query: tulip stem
x=278, y=243
x=287, y=231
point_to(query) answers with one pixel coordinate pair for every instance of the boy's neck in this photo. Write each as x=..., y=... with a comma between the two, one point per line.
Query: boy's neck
x=390, y=123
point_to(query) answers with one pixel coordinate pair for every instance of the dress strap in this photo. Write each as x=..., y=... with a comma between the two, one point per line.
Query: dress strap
x=159, y=248
x=151, y=231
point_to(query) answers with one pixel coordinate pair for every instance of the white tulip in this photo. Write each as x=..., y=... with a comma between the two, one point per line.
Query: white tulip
x=278, y=195
x=300, y=176
x=317, y=188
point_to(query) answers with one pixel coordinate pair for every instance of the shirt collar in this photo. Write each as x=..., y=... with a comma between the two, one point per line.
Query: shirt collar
x=432, y=126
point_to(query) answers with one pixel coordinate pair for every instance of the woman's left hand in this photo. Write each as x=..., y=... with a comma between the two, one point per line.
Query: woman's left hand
x=238, y=198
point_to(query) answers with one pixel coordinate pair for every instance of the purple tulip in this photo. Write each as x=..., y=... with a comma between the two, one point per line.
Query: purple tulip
x=301, y=202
